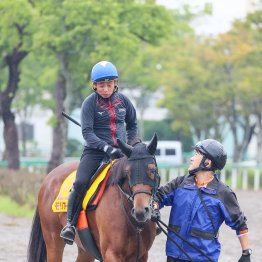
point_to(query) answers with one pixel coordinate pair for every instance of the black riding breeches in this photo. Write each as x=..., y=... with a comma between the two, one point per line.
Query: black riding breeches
x=89, y=163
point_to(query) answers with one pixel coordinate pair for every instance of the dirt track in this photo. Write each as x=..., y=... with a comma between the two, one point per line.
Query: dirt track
x=14, y=235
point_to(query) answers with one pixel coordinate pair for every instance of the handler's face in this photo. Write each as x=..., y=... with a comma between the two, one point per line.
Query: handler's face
x=105, y=88
x=195, y=161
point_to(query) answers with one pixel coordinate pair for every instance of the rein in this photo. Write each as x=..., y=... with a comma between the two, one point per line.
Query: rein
x=136, y=228
x=159, y=222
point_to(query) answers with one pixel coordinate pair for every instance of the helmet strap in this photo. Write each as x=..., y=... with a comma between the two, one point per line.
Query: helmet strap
x=201, y=167
x=116, y=85
x=93, y=87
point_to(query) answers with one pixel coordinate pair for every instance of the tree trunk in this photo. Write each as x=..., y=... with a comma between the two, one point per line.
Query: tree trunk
x=59, y=131
x=6, y=97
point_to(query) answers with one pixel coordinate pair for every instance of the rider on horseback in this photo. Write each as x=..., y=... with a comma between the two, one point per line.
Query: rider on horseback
x=105, y=116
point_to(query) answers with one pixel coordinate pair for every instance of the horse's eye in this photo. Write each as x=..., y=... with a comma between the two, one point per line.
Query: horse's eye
x=152, y=173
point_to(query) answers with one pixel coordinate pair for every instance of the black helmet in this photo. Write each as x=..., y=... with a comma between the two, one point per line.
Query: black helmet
x=214, y=151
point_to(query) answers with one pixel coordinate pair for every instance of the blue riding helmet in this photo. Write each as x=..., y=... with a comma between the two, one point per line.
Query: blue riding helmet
x=103, y=71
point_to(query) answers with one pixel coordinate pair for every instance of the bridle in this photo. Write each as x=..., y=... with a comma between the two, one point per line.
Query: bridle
x=138, y=226
x=156, y=181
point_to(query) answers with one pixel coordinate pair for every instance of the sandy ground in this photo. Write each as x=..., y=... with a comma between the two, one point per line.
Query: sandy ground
x=14, y=235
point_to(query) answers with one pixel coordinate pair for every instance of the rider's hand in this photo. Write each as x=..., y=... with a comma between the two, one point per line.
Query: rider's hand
x=113, y=153
x=155, y=216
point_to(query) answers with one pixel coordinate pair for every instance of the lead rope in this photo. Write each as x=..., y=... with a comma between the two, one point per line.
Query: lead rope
x=137, y=229
x=184, y=239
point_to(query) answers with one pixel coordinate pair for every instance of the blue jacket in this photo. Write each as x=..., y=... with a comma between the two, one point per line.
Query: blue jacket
x=103, y=120
x=190, y=219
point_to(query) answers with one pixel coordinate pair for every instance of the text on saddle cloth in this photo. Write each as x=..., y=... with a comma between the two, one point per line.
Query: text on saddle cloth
x=61, y=201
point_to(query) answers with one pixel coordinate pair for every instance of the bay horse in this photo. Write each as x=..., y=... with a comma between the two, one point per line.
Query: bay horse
x=120, y=224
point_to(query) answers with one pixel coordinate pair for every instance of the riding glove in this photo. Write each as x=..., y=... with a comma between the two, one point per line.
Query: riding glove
x=244, y=258
x=155, y=216
x=113, y=153
x=245, y=255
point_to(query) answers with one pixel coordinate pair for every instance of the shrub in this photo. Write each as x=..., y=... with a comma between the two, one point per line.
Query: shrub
x=21, y=186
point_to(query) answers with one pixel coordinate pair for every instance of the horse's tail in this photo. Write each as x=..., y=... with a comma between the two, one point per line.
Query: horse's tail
x=36, y=248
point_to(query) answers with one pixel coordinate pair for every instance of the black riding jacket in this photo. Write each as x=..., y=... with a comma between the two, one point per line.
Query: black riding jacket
x=103, y=120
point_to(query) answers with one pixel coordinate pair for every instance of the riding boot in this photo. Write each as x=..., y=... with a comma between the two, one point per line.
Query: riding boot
x=73, y=209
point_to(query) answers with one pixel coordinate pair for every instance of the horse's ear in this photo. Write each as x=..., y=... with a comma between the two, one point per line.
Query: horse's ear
x=125, y=148
x=151, y=147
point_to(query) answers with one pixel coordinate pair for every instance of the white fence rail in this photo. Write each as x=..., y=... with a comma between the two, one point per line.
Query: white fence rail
x=236, y=178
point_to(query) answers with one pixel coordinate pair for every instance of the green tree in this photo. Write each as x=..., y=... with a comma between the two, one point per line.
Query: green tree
x=17, y=26
x=79, y=33
x=210, y=85
x=190, y=92
x=250, y=77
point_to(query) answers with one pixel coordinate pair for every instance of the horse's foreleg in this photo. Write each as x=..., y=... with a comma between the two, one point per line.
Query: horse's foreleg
x=144, y=258
x=83, y=256
x=55, y=249
x=110, y=256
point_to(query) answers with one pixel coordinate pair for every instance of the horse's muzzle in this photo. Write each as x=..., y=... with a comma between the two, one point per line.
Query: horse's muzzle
x=141, y=214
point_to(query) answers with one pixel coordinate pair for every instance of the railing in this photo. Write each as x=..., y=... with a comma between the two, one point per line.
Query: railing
x=245, y=178
x=235, y=176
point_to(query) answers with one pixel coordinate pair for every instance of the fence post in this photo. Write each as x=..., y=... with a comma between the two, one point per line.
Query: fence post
x=234, y=178
x=163, y=174
x=181, y=171
x=173, y=173
x=245, y=180
x=256, y=179
x=223, y=176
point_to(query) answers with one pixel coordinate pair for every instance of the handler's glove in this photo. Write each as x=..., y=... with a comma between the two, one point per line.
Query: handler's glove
x=112, y=152
x=245, y=256
x=155, y=216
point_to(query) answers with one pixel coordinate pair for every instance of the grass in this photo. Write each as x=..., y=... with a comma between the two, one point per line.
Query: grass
x=10, y=207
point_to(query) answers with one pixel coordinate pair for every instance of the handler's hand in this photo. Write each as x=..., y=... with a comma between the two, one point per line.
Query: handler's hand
x=244, y=258
x=155, y=215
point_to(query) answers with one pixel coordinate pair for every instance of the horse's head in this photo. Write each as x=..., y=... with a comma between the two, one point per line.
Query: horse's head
x=143, y=176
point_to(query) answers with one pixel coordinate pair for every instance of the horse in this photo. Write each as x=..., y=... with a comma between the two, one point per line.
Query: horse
x=121, y=223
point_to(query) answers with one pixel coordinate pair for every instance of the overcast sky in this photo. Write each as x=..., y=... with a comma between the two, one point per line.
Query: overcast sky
x=224, y=12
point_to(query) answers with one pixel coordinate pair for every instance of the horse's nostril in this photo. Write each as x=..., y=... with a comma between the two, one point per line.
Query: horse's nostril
x=146, y=210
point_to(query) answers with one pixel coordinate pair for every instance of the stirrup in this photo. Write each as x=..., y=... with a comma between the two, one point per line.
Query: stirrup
x=68, y=234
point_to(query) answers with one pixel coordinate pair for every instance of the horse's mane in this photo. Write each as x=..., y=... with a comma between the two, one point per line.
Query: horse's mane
x=118, y=174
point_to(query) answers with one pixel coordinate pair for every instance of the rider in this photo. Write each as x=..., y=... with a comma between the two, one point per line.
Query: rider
x=106, y=115
x=200, y=204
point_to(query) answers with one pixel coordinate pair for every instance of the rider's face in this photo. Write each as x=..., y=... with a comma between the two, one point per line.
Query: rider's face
x=195, y=161
x=105, y=88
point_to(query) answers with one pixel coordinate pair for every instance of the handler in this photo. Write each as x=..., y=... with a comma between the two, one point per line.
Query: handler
x=105, y=116
x=200, y=204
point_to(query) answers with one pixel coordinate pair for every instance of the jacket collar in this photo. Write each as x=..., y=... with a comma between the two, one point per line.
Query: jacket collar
x=213, y=185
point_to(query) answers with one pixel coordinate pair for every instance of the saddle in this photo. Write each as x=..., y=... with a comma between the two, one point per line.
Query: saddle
x=90, y=202
x=93, y=194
